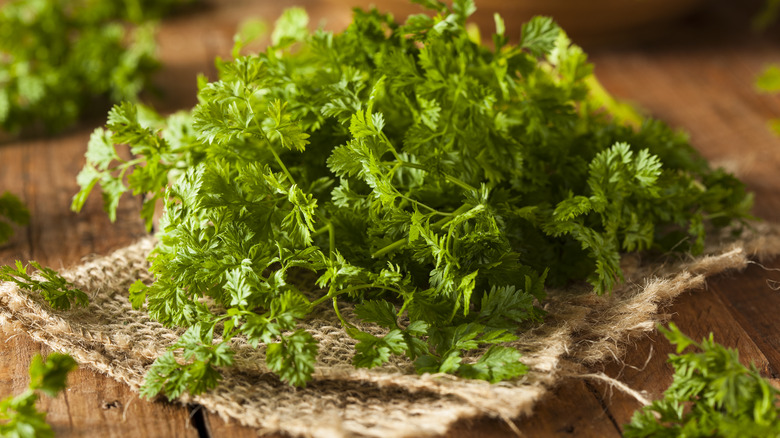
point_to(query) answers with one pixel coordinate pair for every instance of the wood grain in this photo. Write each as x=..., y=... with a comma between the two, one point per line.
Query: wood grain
x=574, y=409
x=752, y=300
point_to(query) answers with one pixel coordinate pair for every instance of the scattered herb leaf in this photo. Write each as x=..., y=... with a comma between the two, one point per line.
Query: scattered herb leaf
x=58, y=292
x=712, y=394
x=19, y=416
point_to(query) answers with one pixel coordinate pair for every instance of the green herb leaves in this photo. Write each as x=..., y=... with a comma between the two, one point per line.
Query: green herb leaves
x=539, y=36
x=57, y=291
x=58, y=56
x=19, y=416
x=623, y=190
x=197, y=374
x=435, y=183
x=12, y=211
x=712, y=394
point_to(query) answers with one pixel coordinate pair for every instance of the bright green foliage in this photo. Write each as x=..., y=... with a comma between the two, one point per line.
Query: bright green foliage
x=197, y=374
x=769, y=81
x=133, y=125
x=712, y=395
x=59, y=56
x=436, y=182
x=18, y=415
x=12, y=211
x=57, y=291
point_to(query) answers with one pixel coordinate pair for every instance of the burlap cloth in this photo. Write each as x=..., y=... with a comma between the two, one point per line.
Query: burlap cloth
x=580, y=330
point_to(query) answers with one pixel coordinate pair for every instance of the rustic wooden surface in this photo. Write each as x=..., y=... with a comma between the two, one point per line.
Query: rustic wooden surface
x=697, y=74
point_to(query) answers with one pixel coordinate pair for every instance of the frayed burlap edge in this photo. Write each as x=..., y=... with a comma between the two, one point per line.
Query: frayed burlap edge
x=581, y=329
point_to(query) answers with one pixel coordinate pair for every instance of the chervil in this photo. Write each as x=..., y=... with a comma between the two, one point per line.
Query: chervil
x=712, y=394
x=19, y=417
x=59, y=56
x=435, y=182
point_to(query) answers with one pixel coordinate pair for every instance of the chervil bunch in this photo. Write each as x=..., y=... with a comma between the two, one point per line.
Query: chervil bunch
x=435, y=182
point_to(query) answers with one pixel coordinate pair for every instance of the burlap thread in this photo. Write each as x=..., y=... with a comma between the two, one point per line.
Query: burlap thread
x=392, y=401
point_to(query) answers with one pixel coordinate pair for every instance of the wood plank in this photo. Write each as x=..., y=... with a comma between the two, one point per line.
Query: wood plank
x=753, y=303
x=58, y=236
x=701, y=78
x=11, y=180
x=189, y=44
x=219, y=428
x=572, y=410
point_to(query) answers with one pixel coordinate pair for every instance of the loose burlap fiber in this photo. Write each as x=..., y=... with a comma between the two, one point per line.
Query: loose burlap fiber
x=580, y=330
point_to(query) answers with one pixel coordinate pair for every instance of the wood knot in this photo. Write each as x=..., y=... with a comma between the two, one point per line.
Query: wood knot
x=116, y=404
x=568, y=429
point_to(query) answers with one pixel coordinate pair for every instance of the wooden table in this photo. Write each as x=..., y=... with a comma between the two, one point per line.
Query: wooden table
x=697, y=75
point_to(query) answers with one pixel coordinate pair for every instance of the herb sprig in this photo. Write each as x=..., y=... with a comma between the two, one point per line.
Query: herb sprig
x=55, y=289
x=435, y=182
x=19, y=417
x=712, y=394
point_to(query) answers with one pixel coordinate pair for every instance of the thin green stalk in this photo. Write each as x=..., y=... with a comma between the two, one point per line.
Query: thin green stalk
x=331, y=240
x=443, y=221
x=401, y=242
x=281, y=164
x=264, y=136
x=330, y=295
x=392, y=148
x=126, y=165
x=450, y=178
x=320, y=230
x=328, y=227
x=431, y=209
x=389, y=248
x=344, y=322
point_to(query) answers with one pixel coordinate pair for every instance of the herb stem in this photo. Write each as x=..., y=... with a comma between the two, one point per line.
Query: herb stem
x=331, y=240
x=344, y=323
x=432, y=210
x=281, y=164
x=330, y=295
x=389, y=248
x=126, y=165
x=450, y=178
x=320, y=230
x=443, y=221
x=261, y=133
x=392, y=148
x=400, y=242
x=331, y=236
